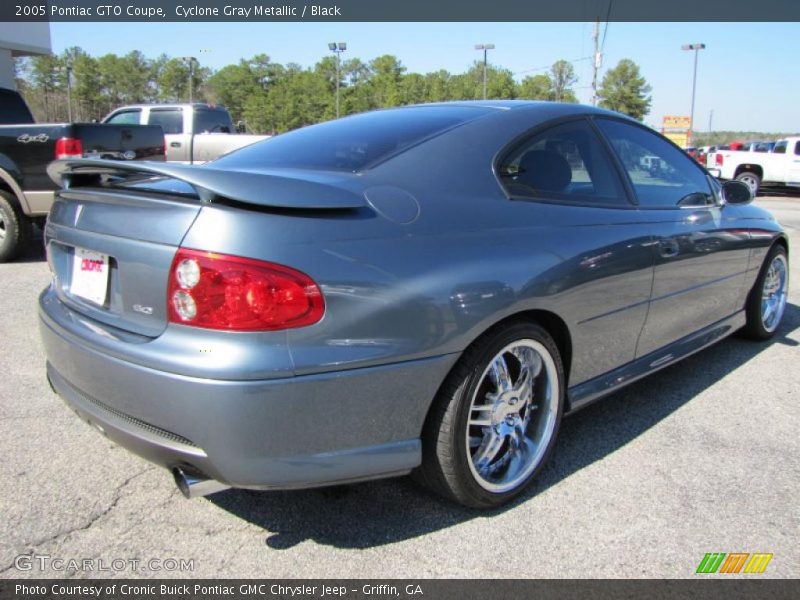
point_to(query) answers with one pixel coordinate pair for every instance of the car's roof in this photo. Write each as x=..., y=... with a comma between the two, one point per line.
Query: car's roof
x=514, y=105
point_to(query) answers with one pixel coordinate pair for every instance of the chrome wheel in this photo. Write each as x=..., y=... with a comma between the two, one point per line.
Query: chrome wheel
x=773, y=293
x=2, y=226
x=512, y=416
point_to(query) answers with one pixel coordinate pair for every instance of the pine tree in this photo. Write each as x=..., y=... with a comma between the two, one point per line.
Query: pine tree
x=625, y=90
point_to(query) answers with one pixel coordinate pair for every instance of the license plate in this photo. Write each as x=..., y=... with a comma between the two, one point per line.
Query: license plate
x=90, y=276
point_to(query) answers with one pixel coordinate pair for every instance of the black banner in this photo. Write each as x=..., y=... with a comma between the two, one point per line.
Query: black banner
x=400, y=10
x=424, y=589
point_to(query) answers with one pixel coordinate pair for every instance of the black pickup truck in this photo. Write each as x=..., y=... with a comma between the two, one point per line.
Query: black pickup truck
x=26, y=148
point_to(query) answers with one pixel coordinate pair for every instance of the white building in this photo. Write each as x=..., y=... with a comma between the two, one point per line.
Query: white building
x=21, y=39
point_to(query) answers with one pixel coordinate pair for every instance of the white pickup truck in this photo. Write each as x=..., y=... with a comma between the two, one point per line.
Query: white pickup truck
x=779, y=167
x=193, y=133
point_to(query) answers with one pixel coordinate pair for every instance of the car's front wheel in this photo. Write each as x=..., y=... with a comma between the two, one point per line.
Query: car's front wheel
x=496, y=417
x=767, y=300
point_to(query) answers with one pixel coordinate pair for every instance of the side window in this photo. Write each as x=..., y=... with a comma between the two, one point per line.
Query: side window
x=564, y=163
x=170, y=119
x=797, y=148
x=780, y=148
x=661, y=175
x=128, y=117
x=211, y=121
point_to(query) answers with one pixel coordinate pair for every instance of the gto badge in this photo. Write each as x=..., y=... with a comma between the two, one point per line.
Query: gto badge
x=145, y=310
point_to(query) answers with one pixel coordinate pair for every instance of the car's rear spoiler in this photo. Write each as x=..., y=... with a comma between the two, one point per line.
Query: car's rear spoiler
x=274, y=189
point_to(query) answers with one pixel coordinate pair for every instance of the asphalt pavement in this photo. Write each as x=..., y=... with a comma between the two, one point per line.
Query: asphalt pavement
x=701, y=457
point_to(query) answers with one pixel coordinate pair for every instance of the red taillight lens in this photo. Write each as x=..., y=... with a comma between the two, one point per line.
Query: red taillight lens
x=69, y=148
x=217, y=291
x=718, y=160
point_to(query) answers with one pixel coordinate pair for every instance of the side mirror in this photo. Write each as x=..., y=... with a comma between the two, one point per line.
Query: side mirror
x=241, y=127
x=736, y=192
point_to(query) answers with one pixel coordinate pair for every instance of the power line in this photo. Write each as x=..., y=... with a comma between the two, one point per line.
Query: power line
x=545, y=68
x=605, y=31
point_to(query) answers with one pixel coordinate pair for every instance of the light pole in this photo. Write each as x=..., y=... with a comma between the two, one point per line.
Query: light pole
x=68, y=70
x=485, y=48
x=69, y=93
x=190, y=60
x=337, y=49
x=696, y=48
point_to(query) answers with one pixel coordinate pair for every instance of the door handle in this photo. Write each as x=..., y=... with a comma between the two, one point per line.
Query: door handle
x=174, y=144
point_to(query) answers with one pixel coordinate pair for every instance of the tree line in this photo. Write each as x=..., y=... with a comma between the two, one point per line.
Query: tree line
x=271, y=98
x=716, y=138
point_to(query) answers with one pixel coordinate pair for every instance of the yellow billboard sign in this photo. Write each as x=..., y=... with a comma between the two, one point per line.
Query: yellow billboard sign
x=676, y=122
x=680, y=138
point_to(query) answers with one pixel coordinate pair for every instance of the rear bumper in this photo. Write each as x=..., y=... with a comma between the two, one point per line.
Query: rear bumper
x=283, y=432
x=714, y=172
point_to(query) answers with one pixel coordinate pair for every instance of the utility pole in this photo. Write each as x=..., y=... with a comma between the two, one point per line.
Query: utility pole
x=710, y=116
x=596, y=60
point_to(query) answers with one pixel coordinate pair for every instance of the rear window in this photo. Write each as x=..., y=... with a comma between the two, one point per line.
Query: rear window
x=352, y=143
x=171, y=120
x=13, y=109
x=212, y=121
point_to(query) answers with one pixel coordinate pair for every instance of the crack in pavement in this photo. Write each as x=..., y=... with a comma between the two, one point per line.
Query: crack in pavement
x=94, y=519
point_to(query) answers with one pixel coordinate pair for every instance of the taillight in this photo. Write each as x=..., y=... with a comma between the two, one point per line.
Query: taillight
x=69, y=148
x=718, y=160
x=217, y=291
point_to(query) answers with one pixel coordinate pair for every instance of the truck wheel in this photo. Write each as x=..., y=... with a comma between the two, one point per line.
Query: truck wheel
x=15, y=228
x=752, y=180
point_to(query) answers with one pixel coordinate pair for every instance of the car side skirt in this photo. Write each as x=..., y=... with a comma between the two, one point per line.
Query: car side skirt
x=586, y=393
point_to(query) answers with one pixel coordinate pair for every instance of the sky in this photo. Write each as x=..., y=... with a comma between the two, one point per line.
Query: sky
x=747, y=75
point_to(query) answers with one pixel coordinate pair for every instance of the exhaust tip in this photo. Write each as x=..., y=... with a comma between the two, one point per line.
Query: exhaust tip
x=194, y=485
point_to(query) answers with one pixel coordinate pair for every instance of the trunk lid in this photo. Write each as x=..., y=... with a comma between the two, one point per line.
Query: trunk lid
x=137, y=235
x=114, y=230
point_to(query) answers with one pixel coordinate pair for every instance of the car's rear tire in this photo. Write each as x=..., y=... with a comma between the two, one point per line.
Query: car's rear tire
x=495, y=419
x=15, y=228
x=766, y=302
x=751, y=180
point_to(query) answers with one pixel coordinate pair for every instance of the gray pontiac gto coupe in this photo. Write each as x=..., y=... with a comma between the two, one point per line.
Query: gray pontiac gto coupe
x=421, y=290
